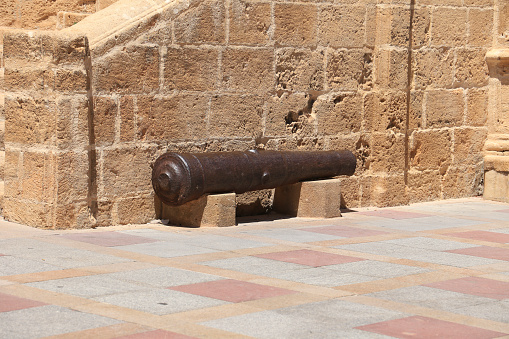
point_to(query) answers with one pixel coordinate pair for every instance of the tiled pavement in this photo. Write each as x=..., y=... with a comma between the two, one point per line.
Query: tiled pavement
x=433, y=270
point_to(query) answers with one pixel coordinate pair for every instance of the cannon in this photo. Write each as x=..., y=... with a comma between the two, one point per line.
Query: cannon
x=181, y=177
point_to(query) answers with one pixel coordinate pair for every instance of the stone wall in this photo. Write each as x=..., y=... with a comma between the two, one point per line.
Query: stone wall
x=403, y=87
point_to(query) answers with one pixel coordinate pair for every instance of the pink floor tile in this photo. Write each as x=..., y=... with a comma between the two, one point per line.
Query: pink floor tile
x=108, y=239
x=308, y=257
x=11, y=303
x=232, y=290
x=421, y=327
x=392, y=214
x=482, y=287
x=483, y=235
x=344, y=231
x=503, y=211
x=157, y=334
x=485, y=252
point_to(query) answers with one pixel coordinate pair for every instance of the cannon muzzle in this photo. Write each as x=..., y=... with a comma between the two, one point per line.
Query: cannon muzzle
x=181, y=177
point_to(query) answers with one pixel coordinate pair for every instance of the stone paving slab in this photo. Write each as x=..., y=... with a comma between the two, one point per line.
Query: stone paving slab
x=437, y=268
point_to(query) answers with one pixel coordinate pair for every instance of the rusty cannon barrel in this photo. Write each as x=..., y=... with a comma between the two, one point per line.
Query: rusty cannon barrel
x=181, y=177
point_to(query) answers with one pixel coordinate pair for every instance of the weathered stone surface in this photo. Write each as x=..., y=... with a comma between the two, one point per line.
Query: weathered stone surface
x=341, y=26
x=136, y=210
x=289, y=114
x=249, y=22
x=248, y=69
x=204, y=23
x=388, y=153
x=480, y=27
x=296, y=24
x=235, y=116
x=477, y=106
x=132, y=70
x=191, y=69
x=338, y=113
x=160, y=118
x=127, y=124
x=310, y=199
x=468, y=146
x=424, y=185
x=462, y=182
x=430, y=150
x=385, y=111
x=30, y=120
x=254, y=202
x=347, y=69
x=444, y=108
x=449, y=27
x=214, y=210
x=105, y=115
x=300, y=69
x=433, y=68
x=391, y=69
x=471, y=68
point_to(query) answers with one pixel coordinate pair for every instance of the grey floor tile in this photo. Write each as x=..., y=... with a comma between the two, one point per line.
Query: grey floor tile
x=158, y=235
x=500, y=230
x=431, y=297
x=10, y=265
x=163, y=277
x=273, y=324
x=377, y=269
x=160, y=301
x=48, y=320
x=293, y=235
x=56, y=255
x=254, y=265
x=419, y=224
x=430, y=243
x=419, y=254
x=88, y=286
x=323, y=277
x=166, y=249
x=495, y=310
x=223, y=243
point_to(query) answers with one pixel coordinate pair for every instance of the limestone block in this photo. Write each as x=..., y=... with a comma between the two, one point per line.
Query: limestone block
x=136, y=210
x=449, y=26
x=38, y=178
x=296, y=24
x=101, y=4
x=338, y=113
x=393, y=26
x=433, y=68
x=161, y=118
x=105, y=113
x=350, y=192
x=468, y=146
x=424, y=185
x=384, y=190
x=236, y=116
x=496, y=185
x=444, y=108
x=27, y=212
x=388, y=152
x=310, y=199
x=385, y=111
x=471, y=68
x=299, y=69
x=347, y=69
x=214, y=210
x=342, y=26
x=191, y=69
x=67, y=19
x=133, y=69
x=73, y=81
x=391, y=68
x=249, y=22
x=19, y=78
x=254, y=202
x=248, y=69
x=481, y=27
x=30, y=120
x=430, y=150
x=127, y=126
x=477, y=107
x=71, y=175
x=72, y=121
x=463, y=181
x=204, y=23
x=288, y=114
x=125, y=171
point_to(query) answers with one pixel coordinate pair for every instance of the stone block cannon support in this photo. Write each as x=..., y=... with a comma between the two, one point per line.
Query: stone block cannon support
x=188, y=183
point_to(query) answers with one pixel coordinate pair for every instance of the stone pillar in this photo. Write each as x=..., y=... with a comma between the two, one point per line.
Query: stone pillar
x=496, y=159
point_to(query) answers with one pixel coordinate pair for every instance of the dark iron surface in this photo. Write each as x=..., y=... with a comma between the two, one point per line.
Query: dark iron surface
x=181, y=177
